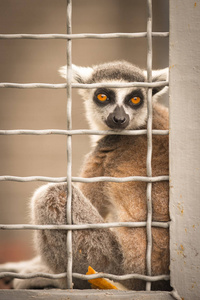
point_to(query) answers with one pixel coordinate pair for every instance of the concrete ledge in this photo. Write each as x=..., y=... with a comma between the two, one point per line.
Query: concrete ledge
x=82, y=294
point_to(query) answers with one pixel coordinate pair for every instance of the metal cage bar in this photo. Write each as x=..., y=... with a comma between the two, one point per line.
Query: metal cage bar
x=82, y=36
x=149, y=142
x=87, y=277
x=69, y=132
x=69, y=147
x=85, y=180
x=80, y=132
x=83, y=226
x=81, y=86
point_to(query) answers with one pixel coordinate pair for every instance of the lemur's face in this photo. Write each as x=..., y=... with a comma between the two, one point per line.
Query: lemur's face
x=115, y=108
x=119, y=108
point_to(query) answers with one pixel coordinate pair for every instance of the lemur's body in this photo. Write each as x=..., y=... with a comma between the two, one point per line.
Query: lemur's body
x=122, y=156
x=120, y=250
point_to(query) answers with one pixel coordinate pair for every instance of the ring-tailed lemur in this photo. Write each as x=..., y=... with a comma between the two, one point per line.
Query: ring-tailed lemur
x=120, y=250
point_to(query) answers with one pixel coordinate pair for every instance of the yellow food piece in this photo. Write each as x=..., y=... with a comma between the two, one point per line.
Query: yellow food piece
x=100, y=283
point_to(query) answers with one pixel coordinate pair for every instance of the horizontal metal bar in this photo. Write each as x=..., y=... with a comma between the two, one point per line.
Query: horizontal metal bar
x=80, y=132
x=32, y=275
x=82, y=226
x=122, y=277
x=85, y=180
x=85, y=277
x=120, y=179
x=82, y=36
x=33, y=85
x=33, y=178
x=82, y=86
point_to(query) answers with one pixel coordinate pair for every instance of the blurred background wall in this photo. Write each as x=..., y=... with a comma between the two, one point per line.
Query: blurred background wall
x=24, y=61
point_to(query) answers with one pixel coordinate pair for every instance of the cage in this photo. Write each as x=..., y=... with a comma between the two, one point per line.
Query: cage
x=184, y=241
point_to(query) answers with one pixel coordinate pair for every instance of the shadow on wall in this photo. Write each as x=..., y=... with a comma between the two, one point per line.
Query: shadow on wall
x=26, y=61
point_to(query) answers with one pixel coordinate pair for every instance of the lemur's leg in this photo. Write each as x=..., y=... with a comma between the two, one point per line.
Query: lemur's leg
x=97, y=247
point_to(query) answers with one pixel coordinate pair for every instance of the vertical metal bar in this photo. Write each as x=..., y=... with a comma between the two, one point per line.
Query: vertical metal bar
x=149, y=141
x=69, y=146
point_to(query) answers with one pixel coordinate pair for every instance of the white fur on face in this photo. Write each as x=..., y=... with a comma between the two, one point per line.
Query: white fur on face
x=97, y=116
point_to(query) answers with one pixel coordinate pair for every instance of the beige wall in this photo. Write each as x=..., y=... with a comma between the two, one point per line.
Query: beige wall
x=26, y=61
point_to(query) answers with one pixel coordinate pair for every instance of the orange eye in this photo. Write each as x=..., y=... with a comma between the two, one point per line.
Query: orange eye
x=102, y=97
x=135, y=100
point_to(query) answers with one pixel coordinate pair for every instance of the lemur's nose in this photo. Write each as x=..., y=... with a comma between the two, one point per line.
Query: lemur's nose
x=119, y=120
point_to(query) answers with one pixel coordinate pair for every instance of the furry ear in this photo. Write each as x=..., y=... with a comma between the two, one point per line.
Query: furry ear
x=159, y=75
x=79, y=74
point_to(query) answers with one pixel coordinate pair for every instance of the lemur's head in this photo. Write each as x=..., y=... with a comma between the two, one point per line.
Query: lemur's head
x=115, y=108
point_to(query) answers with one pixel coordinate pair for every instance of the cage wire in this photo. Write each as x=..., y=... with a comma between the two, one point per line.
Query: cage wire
x=69, y=227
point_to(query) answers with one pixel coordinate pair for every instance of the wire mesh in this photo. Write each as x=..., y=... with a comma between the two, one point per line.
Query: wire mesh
x=69, y=132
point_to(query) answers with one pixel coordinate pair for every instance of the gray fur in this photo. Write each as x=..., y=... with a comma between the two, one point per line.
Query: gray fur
x=121, y=250
x=118, y=70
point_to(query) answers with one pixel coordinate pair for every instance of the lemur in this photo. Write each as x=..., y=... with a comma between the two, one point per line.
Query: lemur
x=119, y=250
